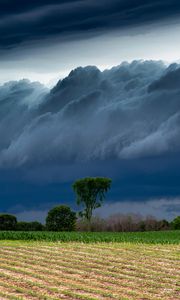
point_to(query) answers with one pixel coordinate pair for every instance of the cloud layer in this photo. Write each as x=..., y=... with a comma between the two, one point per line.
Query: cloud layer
x=22, y=21
x=131, y=111
x=159, y=208
x=123, y=123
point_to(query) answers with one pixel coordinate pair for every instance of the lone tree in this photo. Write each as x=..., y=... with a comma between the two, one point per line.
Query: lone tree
x=61, y=218
x=90, y=192
x=7, y=222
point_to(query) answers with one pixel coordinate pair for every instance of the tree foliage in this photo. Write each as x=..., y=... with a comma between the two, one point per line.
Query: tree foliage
x=176, y=223
x=7, y=222
x=29, y=226
x=90, y=192
x=61, y=218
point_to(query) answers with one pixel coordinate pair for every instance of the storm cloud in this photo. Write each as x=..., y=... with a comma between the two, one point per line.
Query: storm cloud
x=159, y=208
x=25, y=21
x=123, y=123
x=126, y=112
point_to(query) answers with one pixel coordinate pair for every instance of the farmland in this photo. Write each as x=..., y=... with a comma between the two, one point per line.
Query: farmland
x=91, y=269
x=152, y=237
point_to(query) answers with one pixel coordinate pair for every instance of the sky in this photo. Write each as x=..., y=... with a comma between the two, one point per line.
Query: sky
x=45, y=40
x=89, y=88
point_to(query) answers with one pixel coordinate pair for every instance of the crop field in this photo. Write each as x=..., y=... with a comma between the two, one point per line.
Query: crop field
x=152, y=237
x=76, y=270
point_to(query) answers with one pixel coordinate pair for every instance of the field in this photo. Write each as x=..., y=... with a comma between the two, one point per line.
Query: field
x=153, y=237
x=131, y=269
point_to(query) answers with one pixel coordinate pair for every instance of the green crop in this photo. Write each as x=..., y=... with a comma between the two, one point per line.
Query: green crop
x=152, y=237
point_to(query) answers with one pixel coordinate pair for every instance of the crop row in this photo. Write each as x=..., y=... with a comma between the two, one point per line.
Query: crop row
x=88, y=271
x=156, y=237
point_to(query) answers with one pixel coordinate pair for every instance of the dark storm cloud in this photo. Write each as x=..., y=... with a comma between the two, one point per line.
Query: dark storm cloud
x=169, y=81
x=92, y=115
x=16, y=98
x=24, y=21
x=122, y=123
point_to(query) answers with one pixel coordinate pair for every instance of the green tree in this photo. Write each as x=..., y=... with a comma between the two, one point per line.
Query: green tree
x=176, y=223
x=61, y=218
x=90, y=193
x=36, y=226
x=7, y=222
x=22, y=226
x=29, y=226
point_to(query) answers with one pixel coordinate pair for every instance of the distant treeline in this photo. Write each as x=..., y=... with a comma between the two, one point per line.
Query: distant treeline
x=61, y=218
x=90, y=194
x=129, y=223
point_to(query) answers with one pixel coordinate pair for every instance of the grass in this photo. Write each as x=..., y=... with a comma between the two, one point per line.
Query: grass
x=91, y=271
x=156, y=237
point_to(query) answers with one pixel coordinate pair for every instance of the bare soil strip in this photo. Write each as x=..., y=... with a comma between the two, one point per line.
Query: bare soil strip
x=89, y=271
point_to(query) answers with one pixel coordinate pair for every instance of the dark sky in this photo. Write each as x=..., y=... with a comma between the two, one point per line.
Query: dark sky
x=25, y=21
x=123, y=123
x=45, y=40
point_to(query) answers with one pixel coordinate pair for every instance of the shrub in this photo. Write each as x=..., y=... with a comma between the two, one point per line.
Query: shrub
x=97, y=224
x=123, y=223
x=151, y=224
x=163, y=225
x=61, y=218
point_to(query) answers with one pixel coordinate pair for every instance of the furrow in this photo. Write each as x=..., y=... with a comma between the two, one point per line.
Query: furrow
x=129, y=286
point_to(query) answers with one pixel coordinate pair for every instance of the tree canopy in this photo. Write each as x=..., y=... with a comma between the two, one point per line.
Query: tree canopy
x=90, y=192
x=29, y=226
x=7, y=222
x=61, y=218
x=176, y=223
